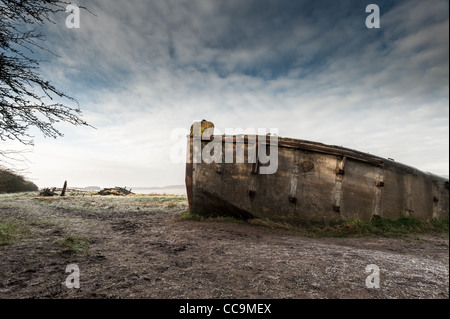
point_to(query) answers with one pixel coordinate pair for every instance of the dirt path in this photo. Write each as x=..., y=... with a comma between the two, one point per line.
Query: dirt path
x=146, y=251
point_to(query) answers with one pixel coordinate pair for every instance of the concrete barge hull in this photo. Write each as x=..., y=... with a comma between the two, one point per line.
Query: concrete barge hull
x=313, y=182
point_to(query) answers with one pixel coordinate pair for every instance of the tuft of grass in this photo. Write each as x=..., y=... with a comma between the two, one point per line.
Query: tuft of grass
x=201, y=218
x=439, y=225
x=275, y=225
x=76, y=245
x=8, y=233
x=192, y=216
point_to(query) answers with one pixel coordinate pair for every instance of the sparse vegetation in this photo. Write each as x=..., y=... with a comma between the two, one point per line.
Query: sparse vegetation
x=378, y=227
x=347, y=228
x=7, y=233
x=11, y=182
x=197, y=217
x=76, y=245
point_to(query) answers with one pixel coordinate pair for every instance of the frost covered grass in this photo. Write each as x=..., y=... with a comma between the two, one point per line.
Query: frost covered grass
x=91, y=202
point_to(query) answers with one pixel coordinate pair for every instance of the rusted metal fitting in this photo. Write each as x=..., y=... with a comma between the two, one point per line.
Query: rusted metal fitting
x=379, y=183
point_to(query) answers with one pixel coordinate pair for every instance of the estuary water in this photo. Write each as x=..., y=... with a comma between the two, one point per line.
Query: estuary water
x=168, y=191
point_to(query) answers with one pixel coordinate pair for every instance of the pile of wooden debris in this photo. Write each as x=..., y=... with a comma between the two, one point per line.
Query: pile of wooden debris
x=118, y=191
x=52, y=191
x=48, y=192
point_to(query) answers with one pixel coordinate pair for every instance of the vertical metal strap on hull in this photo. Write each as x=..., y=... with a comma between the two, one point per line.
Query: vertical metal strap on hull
x=189, y=171
x=253, y=155
x=294, y=178
x=340, y=170
x=408, y=195
x=379, y=184
x=435, y=192
x=220, y=163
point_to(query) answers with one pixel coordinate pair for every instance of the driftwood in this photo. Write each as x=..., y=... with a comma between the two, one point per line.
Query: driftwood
x=48, y=192
x=63, y=191
x=118, y=191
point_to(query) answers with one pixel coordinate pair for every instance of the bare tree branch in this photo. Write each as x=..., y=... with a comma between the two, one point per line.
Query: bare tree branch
x=26, y=98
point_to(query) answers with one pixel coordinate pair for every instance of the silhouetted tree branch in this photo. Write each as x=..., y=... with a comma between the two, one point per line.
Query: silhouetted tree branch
x=26, y=98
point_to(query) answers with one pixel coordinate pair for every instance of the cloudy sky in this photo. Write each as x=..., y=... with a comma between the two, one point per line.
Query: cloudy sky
x=142, y=69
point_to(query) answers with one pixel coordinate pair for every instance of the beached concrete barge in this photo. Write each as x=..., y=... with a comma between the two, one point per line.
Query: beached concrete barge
x=312, y=182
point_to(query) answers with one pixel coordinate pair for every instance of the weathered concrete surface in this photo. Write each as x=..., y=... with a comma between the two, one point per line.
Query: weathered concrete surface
x=313, y=182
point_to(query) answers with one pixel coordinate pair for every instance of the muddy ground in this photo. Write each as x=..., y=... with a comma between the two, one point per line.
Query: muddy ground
x=139, y=247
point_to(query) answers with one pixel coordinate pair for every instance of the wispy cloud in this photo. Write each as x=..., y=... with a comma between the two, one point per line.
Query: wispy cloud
x=312, y=69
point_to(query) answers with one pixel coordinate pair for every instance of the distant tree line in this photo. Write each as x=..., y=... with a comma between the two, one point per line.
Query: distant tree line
x=11, y=182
